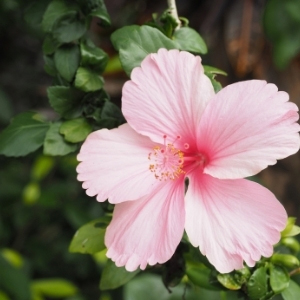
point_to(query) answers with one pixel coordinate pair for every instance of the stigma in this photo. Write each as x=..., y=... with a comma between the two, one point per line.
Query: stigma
x=166, y=161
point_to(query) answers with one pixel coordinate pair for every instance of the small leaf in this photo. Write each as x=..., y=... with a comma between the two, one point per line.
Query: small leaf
x=190, y=40
x=289, y=226
x=111, y=116
x=54, y=11
x=135, y=43
x=216, y=84
x=13, y=257
x=213, y=70
x=100, y=12
x=292, y=292
x=69, y=28
x=50, y=44
x=257, y=285
x=34, y=13
x=54, y=288
x=87, y=80
x=279, y=279
x=65, y=100
x=76, y=130
x=11, y=278
x=67, y=60
x=54, y=142
x=113, y=277
x=90, y=237
x=200, y=277
x=93, y=57
x=25, y=134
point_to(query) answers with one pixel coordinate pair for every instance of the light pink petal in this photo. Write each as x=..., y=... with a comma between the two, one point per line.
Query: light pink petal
x=232, y=220
x=114, y=164
x=167, y=95
x=246, y=127
x=147, y=231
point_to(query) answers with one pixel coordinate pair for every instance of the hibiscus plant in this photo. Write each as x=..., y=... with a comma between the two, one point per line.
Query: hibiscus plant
x=170, y=167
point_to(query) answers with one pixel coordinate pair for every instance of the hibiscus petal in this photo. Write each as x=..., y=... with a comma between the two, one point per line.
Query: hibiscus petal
x=114, y=164
x=232, y=220
x=147, y=231
x=167, y=95
x=246, y=127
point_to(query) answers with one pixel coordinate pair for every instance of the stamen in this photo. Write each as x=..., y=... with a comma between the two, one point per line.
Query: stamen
x=167, y=161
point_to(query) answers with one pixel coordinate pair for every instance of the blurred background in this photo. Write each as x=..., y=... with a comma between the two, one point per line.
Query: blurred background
x=41, y=203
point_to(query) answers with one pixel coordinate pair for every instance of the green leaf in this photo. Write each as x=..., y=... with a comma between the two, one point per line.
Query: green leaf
x=67, y=60
x=49, y=66
x=234, y=280
x=90, y=237
x=292, y=292
x=113, y=277
x=11, y=278
x=75, y=130
x=257, y=285
x=34, y=13
x=50, y=44
x=216, y=84
x=100, y=12
x=13, y=257
x=25, y=134
x=54, y=288
x=3, y=296
x=87, y=80
x=201, y=277
x=295, y=230
x=69, y=27
x=54, y=142
x=134, y=43
x=111, y=116
x=279, y=279
x=150, y=287
x=190, y=40
x=93, y=57
x=54, y=11
x=213, y=70
x=66, y=101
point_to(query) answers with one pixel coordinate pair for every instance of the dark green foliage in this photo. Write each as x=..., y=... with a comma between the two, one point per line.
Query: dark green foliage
x=282, y=26
x=25, y=134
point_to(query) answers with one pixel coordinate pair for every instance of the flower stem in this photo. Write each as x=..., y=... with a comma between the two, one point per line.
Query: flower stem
x=173, y=12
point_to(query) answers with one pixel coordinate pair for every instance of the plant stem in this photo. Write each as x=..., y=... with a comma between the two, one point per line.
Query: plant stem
x=294, y=272
x=173, y=12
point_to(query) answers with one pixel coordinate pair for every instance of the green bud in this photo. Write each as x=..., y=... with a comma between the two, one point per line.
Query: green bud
x=291, y=243
x=286, y=260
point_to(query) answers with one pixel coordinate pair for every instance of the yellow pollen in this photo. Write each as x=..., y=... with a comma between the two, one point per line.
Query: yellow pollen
x=166, y=162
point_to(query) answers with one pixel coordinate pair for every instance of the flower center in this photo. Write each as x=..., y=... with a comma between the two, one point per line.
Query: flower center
x=166, y=161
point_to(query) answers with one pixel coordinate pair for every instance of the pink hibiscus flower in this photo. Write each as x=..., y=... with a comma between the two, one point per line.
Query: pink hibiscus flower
x=179, y=128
